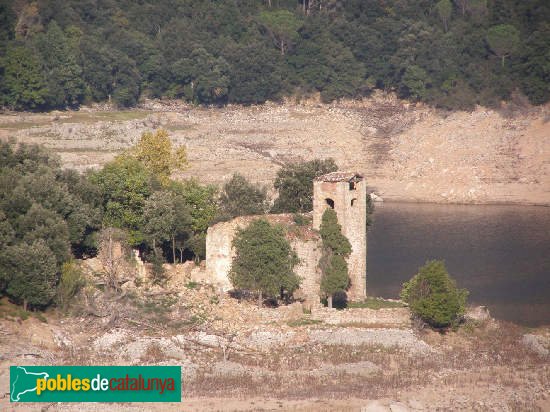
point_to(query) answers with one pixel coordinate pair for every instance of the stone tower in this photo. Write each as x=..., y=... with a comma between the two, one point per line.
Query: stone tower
x=346, y=193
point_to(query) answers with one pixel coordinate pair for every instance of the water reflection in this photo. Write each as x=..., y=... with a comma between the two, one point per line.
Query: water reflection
x=500, y=253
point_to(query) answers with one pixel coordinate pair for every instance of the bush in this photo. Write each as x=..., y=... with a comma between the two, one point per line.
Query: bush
x=432, y=296
x=69, y=284
x=158, y=273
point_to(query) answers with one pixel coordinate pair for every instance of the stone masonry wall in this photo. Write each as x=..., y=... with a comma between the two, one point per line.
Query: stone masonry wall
x=389, y=317
x=306, y=243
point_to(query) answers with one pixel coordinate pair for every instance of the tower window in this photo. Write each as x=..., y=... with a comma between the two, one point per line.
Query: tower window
x=352, y=185
x=353, y=201
x=330, y=202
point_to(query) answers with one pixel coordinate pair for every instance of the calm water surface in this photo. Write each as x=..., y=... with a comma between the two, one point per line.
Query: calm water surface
x=501, y=254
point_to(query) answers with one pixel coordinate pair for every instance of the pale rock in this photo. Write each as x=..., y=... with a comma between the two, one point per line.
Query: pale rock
x=375, y=406
x=398, y=407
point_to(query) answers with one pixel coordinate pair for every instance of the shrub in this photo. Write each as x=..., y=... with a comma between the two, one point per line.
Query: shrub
x=69, y=284
x=158, y=273
x=433, y=296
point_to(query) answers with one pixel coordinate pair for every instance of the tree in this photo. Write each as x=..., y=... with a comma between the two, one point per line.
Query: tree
x=158, y=156
x=535, y=66
x=22, y=84
x=335, y=277
x=264, y=261
x=433, y=296
x=160, y=219
x=336, y=247
x=201, y=202
x=201, y=78
x=322, y=64
x=294, y=182
x=444, y=10
x=415, y=79
x=282, y=26
x=125, y=184
x=503, y=40
x=256, y=74
x=43, y=224
x=63, y=74
x=239, y=197
x=29, y=272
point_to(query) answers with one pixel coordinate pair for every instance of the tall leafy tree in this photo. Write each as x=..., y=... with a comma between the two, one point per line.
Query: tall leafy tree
x=154, y=150
x=124, y=184
x=160, y=217
x=294, y=182
x=239, y=197
x=201, y=202
x=444, y=9
x=264, y=261
x=282, y=26
x=201, y=78
x=61, y=69
x=503, y=40
x=336, y=247
x=22, y=83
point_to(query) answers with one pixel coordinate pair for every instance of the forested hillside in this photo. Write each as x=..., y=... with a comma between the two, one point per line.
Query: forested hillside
x=453, y=54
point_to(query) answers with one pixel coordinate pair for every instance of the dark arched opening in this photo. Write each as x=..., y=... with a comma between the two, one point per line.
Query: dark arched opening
x=330, y=202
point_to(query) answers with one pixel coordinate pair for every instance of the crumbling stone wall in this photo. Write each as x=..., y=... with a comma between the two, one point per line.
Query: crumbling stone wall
x=305, y=241
x=387, y=317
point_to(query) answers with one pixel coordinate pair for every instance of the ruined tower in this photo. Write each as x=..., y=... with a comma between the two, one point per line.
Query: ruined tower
x=346, y=193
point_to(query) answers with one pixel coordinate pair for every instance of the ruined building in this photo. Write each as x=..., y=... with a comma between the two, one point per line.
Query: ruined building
x=346, y=194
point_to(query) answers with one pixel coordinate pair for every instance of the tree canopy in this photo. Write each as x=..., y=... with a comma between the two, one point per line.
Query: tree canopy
x=264, y=261
x=434, y=297
x=294, y=182
x=336, y=248
x=237, y=51
x=239, y=197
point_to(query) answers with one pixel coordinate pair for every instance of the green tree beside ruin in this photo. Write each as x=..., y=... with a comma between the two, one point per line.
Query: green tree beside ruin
x=336, y=248
x=239, y=197
x=294, y=182
x=264, y=261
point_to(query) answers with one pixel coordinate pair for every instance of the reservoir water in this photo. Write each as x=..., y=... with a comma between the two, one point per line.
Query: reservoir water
x=501, y=254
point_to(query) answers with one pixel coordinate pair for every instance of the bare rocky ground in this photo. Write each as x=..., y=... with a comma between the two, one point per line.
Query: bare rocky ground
x=235, y=356
x=408, y=152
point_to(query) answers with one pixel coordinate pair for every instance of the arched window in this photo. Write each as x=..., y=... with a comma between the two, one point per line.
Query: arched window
x=353, y=201
x=330, y=202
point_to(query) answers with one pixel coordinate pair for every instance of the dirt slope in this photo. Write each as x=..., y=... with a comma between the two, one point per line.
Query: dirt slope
x=407, y=152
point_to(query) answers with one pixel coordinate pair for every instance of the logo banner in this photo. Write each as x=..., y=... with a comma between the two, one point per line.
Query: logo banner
x=95, y=383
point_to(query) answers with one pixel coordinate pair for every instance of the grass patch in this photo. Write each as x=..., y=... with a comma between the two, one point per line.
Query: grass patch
x=376, y=303
x=192, y=285
x=115, y=116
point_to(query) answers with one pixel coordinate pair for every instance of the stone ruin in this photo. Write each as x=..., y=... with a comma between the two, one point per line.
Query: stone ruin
x=344, y=192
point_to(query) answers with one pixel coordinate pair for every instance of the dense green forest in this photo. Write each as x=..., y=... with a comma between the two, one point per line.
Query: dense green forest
x=454, y=54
